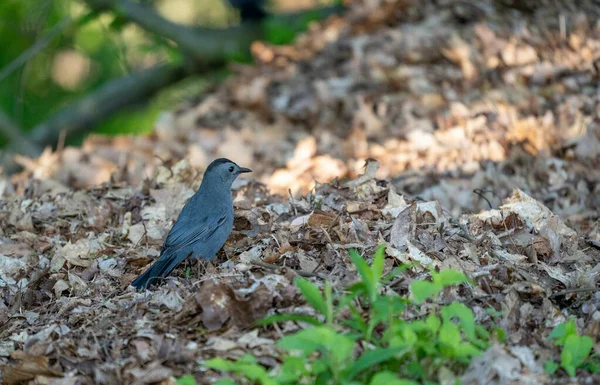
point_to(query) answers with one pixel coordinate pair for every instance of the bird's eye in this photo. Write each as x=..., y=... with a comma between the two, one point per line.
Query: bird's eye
x=231, y=169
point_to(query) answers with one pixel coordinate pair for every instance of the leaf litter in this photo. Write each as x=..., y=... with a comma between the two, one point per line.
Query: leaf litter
x=461, y=134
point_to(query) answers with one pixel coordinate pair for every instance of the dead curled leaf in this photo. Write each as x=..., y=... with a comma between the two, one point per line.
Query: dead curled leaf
x=537, y=217
x=155, y=373
x=15, y=249
x=220, y=303
x=28, y=367
x=216, y=303
x=403, y=229
x=319, y=220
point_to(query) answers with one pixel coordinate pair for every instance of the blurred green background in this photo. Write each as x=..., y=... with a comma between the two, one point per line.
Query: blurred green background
x=76, y=50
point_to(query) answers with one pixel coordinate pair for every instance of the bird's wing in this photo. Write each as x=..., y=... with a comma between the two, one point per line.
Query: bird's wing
x=189, y=230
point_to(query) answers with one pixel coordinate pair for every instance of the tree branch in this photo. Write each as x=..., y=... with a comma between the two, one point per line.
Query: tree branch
x=209, y=49
x=79, y=117
x=204, y=44
x=34, y=49
x=19, y=142
x=205, y=48
x=207, y=45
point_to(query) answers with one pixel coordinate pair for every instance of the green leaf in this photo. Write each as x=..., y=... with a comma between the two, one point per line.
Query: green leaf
x=219, y=364
x=319, y=338
x=312, y=294
x=450, y=335
x=300, y=341
x=278, y=33
x=415, y=369
x=254, y=372
x=378, y=264
x=550, y=367
x=328, y=298
x=466, y=350
x=365, y=273
x=372, y=358
x=389, y=378
x=89, y=38
x=292, y=369
x=386, y=306
x=398, y=270
x=422, y=290
x=575, y=352
x=186, y=380
x=499, y=334
x=342, y=348
x=403, y=336
x=356, y=322
x=247, y=359
x=434, y=323
x=355, y=290
x=464, y=315
x=562, y=331
x=495, y=314
x=593, y=365
x=449, y=277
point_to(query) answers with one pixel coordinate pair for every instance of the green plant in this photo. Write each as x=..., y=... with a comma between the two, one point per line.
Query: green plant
x=575, y=352
x=361, y=336
x=186, y=380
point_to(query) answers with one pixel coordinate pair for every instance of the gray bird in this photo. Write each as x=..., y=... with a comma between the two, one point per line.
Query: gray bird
x=203, y=225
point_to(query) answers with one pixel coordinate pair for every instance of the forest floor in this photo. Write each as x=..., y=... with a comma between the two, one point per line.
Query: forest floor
x=479, y=122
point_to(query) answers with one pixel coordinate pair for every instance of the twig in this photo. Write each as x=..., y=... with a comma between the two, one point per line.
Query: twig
x=205, y=44
x=302, y=273
x=19, y=142
x=210, y=46
x=352, y=246
x=330, y=244
x=480, y=192
x=276, y=241
x=292, y=203
x=217, y=276
x=114, y=95
x=486, y=270
x=575, y=290
x=206, y=49
x=34, y=49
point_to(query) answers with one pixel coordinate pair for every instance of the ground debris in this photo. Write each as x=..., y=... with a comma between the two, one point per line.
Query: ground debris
x=459, y=134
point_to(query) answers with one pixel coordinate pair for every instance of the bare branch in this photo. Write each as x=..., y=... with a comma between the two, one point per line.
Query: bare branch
x=207, y=45
x=204, y=44
x=81, y=116
x=207, y=49
x=34, y=49
x=19, y=142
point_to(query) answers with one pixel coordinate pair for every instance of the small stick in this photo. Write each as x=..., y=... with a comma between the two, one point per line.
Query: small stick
x=302, y=273
x=292, y=202
x=576, y=290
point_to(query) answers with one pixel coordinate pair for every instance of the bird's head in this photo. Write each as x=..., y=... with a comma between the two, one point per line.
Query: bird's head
x=224, y=170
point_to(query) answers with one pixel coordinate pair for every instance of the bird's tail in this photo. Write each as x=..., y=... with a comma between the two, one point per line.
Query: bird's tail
x=163, y=266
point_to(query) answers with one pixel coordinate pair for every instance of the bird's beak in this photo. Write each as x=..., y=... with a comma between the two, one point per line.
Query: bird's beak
x=244, y=169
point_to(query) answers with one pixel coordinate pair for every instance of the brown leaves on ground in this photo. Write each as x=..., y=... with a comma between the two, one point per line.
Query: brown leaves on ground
x=70, y=305
x=459, y=134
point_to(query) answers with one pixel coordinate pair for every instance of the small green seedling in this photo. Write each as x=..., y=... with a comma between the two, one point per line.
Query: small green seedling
x=575, y=350
x=363, y=336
